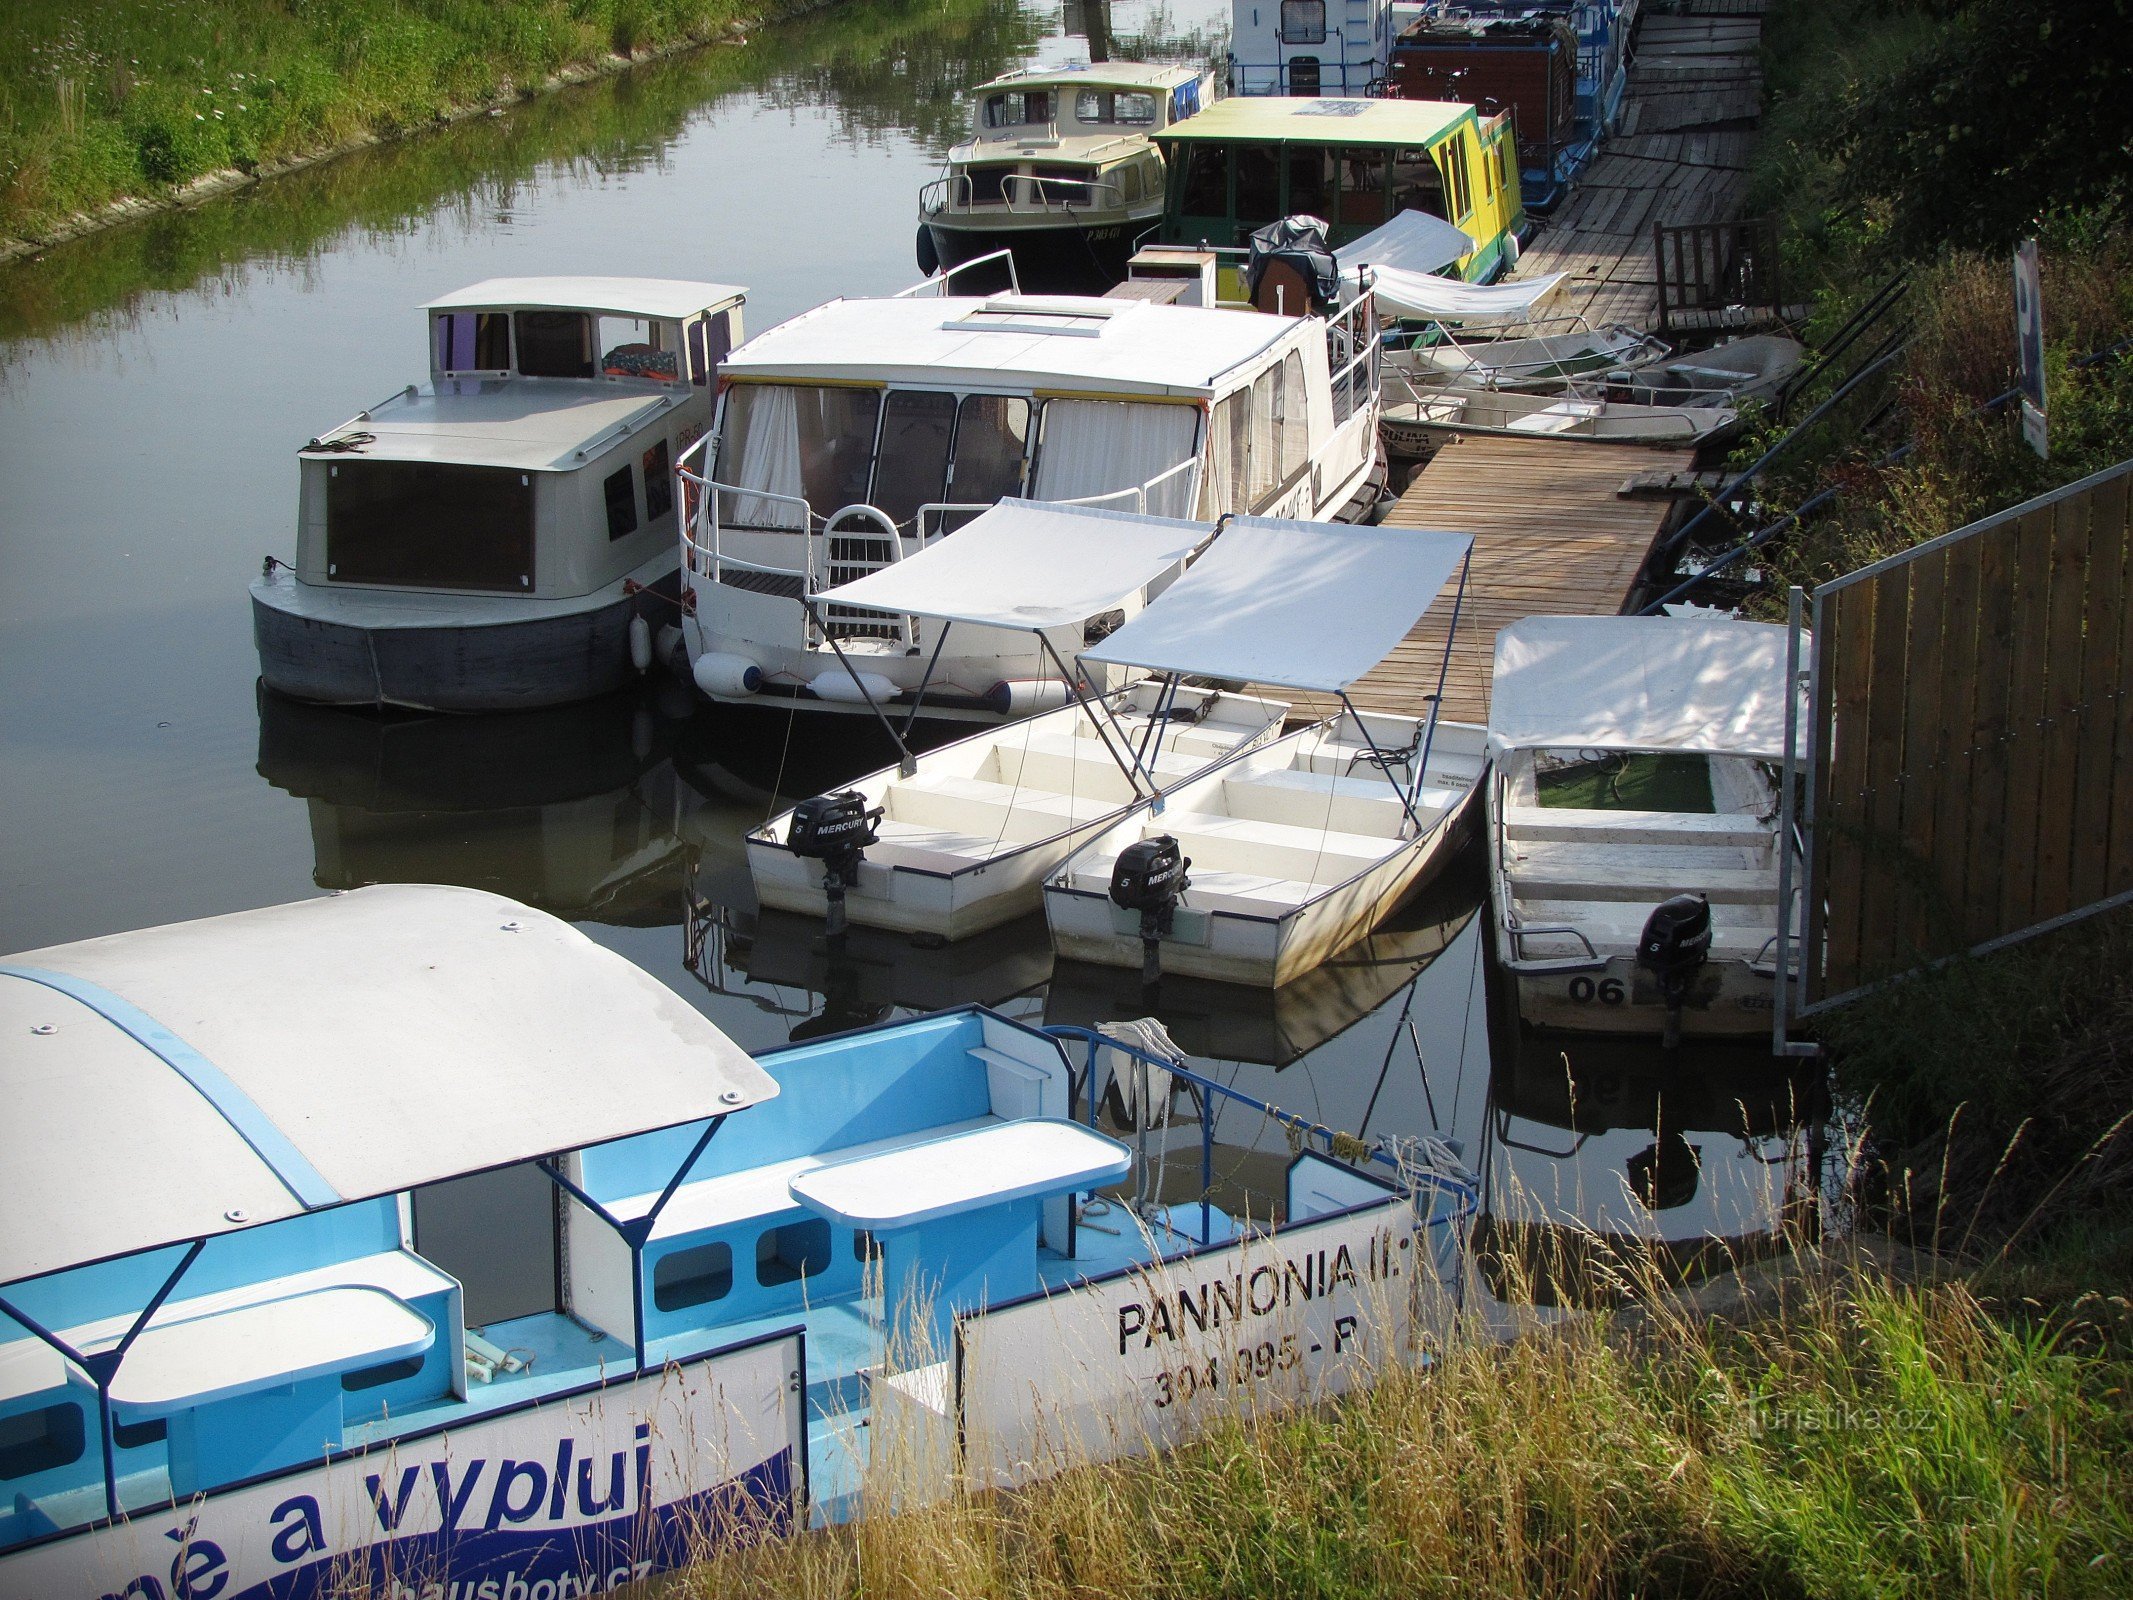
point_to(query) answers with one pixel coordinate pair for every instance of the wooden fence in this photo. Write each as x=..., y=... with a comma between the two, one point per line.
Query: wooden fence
x=1970, y=758
x=1708, y=268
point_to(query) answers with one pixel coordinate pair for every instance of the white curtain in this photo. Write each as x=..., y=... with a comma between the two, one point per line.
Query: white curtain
x=1097, y=447
x=1221, y=493
x=761, y=451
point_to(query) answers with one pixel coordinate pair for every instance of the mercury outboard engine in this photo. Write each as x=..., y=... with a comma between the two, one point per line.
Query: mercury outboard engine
x=1148, y=877
x=1674, y=945
x=834, y=829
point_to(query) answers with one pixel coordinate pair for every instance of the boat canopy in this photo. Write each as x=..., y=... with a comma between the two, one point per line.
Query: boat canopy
x=187, y=1081
x=1298, y=605
x=1295, y=119
x=1703, y=684
x=1412, y=242
x=669, y=298
x=1025, y=564
x=1400, y=292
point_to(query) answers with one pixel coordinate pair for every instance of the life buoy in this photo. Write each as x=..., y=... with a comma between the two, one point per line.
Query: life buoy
x=929, y=259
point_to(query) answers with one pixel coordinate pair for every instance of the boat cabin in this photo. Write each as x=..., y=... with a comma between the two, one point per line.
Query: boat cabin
x=1603, y=30
x=1528, y=63
x=1310, y=47
x=1356, y=164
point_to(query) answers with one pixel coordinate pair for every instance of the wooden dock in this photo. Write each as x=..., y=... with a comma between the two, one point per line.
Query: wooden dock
x=1680, y=156
x=1553, y=535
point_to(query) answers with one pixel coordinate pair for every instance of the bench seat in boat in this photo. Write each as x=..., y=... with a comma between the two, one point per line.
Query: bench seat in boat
x=1647, y=886
x=1636, y=827
x=1362, y=804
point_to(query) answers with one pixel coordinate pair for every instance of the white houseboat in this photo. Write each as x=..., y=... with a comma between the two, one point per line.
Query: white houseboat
x=857, y=433
x=238, y=1356
x=1060, y=169
x=503, y=537
x=1634, y=843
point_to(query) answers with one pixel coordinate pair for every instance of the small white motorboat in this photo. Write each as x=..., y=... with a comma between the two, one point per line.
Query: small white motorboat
x=1286, y=855
x=1731, y=374
x=959, y=839
x=505, y=537
x=1533, y=363
x=1634, y=847
x=1422, y=418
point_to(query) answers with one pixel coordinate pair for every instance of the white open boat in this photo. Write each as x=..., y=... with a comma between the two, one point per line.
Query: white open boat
x=959, y=839
x=1533, y=362
x=1275, y=861
x=1417, y=418
x=1730, y=374
x=1634, y=848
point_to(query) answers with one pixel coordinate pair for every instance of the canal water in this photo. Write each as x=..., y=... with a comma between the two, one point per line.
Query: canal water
x=155, y=383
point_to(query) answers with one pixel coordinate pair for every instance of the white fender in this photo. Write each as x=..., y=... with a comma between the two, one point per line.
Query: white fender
x=718, y=672
x=1022, y=697
x=1510, y=251
x=640, y=644
x=836, y=684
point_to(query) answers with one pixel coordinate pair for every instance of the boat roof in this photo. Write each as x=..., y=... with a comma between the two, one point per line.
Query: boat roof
x=1099, y=74
x=1403, y=293
x=1076, y=340
x=1412, y=242
x=1402, y=123
x=532, y=424
x=1300, y=605
x=1707, y=684
x=1026, y=564
x=626, y=297
x=186, y=1081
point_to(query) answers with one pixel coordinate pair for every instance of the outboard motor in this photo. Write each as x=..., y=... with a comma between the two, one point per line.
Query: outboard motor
x=834, y=829
x=1673, y=947
x=1148, y=877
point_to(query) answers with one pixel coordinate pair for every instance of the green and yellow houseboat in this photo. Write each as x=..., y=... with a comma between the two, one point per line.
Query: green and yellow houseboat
x=1251, y=160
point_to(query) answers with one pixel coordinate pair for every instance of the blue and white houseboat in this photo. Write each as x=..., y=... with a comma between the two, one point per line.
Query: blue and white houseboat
x=503, y=537
x=236, y=1362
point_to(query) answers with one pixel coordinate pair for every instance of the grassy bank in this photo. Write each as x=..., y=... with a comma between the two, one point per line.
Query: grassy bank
x=140, y=97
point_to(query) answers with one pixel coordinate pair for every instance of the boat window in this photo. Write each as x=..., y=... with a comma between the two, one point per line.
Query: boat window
x=620, y=492
x=1363, y=177
x=1265, y=447
x=1311, y=179
x=788, y=1254
x=710, y=337
x=473, y=341
x=811, y=441
x=1292, y=430
x=1233, y=452
x=1128, y=179
x=986, y=186
x=1452, y=155
x=1115, y=105
x=1018, y=108
x=139, y=1435
x=379, y=1376
x=432, y=525
x=1258, y=184
x=658, y=483
x=1417, y=185
x=916, y=426
x=555, y=344
x=495, y=1232
x=637, y=347
x=1103, y=451
x=692, y=1277
x=37, y=1441
x=991, y=446
x=1204, y=192
x=1063, y=186
x=1303, y=21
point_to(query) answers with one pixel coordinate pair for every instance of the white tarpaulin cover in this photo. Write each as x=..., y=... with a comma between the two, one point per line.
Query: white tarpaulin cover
x=187, y=1080
x=1025, y=564
x=1640, y=683
x=1422, y=294
x=1413, y=241
x=1303, y=605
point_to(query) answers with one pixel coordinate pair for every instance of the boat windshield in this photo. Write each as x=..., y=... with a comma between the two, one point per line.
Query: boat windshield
x=1115, y=108
x=1018, y=108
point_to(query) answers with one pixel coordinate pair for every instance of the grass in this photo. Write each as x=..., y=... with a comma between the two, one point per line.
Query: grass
x=134, y=97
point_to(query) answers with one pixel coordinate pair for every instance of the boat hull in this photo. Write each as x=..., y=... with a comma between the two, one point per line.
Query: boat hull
x=1727, y=999
x=514, y=663
x=1073, y=257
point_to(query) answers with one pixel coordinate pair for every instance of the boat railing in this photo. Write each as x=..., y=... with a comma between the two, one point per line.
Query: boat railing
x=938, y=283
x=1026, y=194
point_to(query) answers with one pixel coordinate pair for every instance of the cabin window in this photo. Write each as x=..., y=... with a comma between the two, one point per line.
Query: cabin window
x=555, y=344
x=1128, y=179
x=637, y=347
x=991, y=447
x=1018, y=108
x=1205, y=189
x=912, y=468
x=473, y=341
x=692, y=1277
x=1453, y=156
x=1311, y=180
x=1102, y=451
x=1417, y=185
x=1505, y=156
x=1292, y=431
x=658, y=483
x=1303, y=21
x=1363, y=180
x=432, y=525
x=1063, y=186
x=379, y=1376
x=620, y=492
x=806, y=440
x=1258, y=184
x=788, y=1254
x=37, y=1441
x=986, y=186
x=1115, y=105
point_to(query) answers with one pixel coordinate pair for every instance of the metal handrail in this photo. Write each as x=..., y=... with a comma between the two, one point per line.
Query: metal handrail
x=1022, y=181
x=938, y=283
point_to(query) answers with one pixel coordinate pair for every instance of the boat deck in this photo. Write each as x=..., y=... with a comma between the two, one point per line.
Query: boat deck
x=1553, y=535
x=1680, y=156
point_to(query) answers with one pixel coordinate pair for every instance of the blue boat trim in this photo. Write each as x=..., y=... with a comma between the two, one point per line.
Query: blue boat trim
x=231, y=1103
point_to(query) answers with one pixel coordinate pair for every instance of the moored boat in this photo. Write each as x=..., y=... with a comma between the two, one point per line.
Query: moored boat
x=1633, y=816
x=503, y=537
x=1423, y=417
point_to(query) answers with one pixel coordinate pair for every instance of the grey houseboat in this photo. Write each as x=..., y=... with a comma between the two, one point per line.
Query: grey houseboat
x=504, y=537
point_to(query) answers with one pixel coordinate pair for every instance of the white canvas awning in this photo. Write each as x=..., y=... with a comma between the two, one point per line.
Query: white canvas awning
x=1422, y=294
x=1413, y=241
x=1025, y=564
x=1301, y=605
x=188, y=1080
x=1640, y=683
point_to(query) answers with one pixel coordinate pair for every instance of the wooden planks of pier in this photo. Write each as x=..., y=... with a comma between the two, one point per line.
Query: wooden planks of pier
x=1553, y=536
x=1680, y=156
